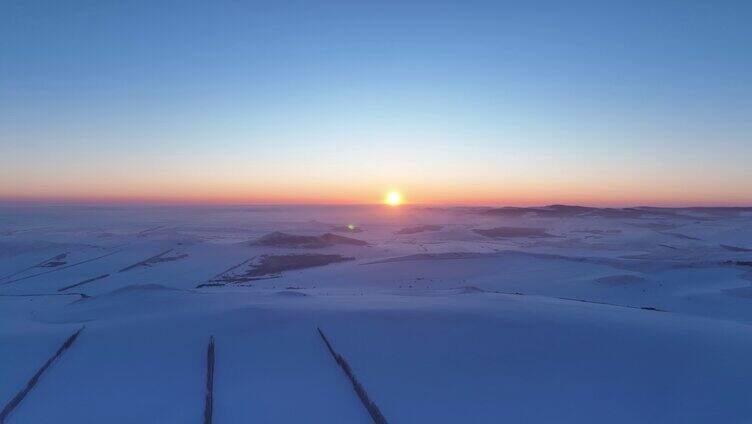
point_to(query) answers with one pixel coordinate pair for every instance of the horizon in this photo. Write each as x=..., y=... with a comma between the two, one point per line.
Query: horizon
x=408, y=205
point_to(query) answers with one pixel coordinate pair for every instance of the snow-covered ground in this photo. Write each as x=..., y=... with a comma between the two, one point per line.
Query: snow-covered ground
x=473, y=315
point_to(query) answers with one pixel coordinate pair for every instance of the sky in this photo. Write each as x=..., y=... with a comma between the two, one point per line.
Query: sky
x=464, y=102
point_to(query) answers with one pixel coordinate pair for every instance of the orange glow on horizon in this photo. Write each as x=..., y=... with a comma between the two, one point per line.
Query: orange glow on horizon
x=441, y=193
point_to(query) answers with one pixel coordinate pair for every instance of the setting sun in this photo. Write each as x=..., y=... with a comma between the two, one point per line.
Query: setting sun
x=393, y=198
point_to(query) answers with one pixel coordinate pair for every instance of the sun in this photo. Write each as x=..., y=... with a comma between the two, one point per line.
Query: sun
x=393, y=198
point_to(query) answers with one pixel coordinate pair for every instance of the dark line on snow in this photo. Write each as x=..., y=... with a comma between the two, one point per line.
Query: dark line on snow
x=150, y=230
x=32, y=267
x=35, y=379
x=572, y=299
x=145, y=261
x=209, y=402
x=90, y=280
x=44, y=294
x=62, y=267
x=370, y=406
x=226, y=271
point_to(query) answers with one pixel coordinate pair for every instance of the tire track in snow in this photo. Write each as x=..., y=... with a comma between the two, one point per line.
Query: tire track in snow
x=13, y=403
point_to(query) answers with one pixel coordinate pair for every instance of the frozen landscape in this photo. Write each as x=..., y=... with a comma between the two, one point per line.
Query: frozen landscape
x=443, y=315
x=404, y=212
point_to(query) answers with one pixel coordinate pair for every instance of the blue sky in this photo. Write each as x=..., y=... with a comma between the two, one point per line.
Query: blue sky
x=450, y=102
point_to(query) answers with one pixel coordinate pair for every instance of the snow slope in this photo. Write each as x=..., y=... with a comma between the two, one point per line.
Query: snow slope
x=638, y=315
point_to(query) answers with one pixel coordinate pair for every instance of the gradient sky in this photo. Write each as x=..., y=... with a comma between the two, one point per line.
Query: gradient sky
x=474, y=102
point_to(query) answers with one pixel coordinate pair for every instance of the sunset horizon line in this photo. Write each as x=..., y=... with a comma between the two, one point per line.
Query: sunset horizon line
x=112, y=201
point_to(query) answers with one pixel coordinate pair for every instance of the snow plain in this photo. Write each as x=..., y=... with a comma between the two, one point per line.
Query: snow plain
x=560, y=314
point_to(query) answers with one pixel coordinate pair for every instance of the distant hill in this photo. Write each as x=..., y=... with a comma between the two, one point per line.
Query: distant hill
x=553, y=211
x=566, y=211
x=280, y=239
x=419, y=229
x=504, y=232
